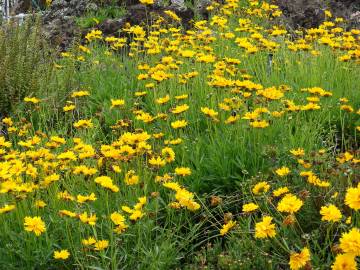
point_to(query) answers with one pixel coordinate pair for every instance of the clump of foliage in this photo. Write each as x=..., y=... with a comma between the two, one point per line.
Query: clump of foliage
x=25, y=63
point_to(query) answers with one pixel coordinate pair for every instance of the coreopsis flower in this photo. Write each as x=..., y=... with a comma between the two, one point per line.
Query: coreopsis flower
x=117, y=103
x=283, y=171
x=232, y=119
x=88, y=219
x=34, y=224
x=131, y=178
x=147, y=2
x=172, y=15
x=344, y=262
x=157, y=162
x=261, y=187
x=181, y=97
x=180, y=109
x=299, y=260
x=88, y=242
x=101, y=245
x=40, y=204
x=67, y=156
x=348, y=220
x=119, y=221
x=61, y=254
x=65, y=196
x=7, y=121
x=289, y=204
x=67, y=213
x=136, y=215
x=280, y=191
x=81, y=93
x=4, y=143
x=259, y=124
x=347, y=108
x=186, y=199
x=32, y=100
x=163, y=100
x=106, y=182
x=352, y=197
x=227, y=227
x=209, y=112
x=168, y=154
x=350, y=242
x=85, y=198
x=345, y=157
x=187, y=53
x=265, y=228
x=179, y=124
x=83, y=124
x=183, y=171
x=330, y=213
x=7, y=208
x=249, y=207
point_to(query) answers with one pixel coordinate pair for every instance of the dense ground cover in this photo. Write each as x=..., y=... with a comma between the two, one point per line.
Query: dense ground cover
x=233, y=145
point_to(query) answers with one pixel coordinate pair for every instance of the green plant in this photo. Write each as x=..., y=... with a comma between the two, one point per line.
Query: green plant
x=25, y=63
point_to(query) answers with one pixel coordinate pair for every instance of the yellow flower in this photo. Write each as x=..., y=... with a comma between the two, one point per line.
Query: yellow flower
x=163, y=100
x=179, y=124
x=261, y=187
x=7, y=208
x=299, y=260
x=136, y=214
x=101, y=245
x=183, y=171
x=131, y=178
x=344, y=262
x=147, y=2
x=283, y=171
x=91, y=219
x=299, y=152
x=40, y=204
x=330, y=213
x=33, y=100
x=289, y=204
x=7, y=121
x=157, y=162
x=352, y=197
x=82, y=199
x=265, y=228
x=117, y=103
x=172, y=15
x=68, y=155
x=80, y=94
x=232, y=119
x=280, y=191
x=67, y=213
x=168, y=154
x=61, y=255
x=119, y=221
x=88, y=242
x=179, y=109
x=209, y=112
x=83, y=124
x=34, y=224
x=227, y=227
x=347, y=108
x=350, y=242
x=259, y=124
x=249, y=207
x=106, y=182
